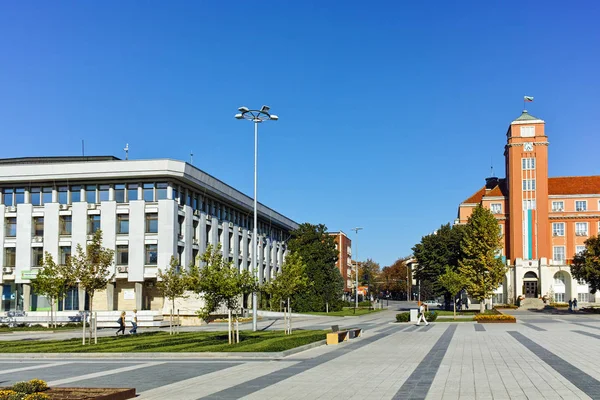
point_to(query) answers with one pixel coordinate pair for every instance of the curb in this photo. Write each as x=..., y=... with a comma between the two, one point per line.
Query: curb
x=164, y=356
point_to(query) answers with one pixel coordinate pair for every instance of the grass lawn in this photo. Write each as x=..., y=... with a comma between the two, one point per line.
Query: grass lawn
x=346, y=312
x=465, y=313
x=454, y=320
x=269, y=341
x=6, y=329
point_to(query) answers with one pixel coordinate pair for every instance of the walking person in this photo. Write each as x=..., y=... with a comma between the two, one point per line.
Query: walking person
x=121, y=322
x=134, y=321
x=570, y=305
x=422, y=316
x=575, y=304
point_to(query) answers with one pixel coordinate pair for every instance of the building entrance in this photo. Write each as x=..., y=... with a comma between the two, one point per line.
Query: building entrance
x=531, y=289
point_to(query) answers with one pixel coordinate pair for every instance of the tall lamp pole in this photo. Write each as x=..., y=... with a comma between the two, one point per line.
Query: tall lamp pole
x=256, y=116
x=356, y=273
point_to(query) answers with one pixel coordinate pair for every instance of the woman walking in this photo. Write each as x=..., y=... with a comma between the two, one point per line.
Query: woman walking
x=121, y=322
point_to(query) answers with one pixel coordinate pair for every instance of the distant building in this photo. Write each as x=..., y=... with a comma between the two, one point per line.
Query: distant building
x=544, y=221
x=343, y=245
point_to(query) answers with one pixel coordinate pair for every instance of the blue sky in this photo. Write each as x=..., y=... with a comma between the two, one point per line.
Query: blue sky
x=390, y=112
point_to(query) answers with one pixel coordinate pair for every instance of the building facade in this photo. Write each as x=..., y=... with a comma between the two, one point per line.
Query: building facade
x=544, y=220
x=343, y=245
x=148, y=211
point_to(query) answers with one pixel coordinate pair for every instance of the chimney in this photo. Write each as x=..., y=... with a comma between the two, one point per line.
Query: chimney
x=490, y=183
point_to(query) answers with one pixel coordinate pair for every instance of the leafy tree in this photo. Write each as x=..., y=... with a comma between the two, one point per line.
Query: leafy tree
x=317, y=250
x=369, y=274
x=586, y=265
x=92, y=268
x=453, y=283
x=393, y=278
x=52, y=282
x=482, y=269
x=434, y=253
x=220, y=283
x=173, y=283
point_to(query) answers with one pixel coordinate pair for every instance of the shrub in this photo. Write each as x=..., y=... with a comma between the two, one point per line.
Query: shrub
x=37, y=396
x=23, y=387
x=431, y=316
x=8, y=394
x=509, y=306
x=403, y=317
x=363, y=304
x=38, y=385
x=593, y=310
x=559, y=305
x=497, y=317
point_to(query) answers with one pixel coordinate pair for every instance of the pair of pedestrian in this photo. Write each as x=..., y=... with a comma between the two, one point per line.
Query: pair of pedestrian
x=573, y=305
x=122, y=323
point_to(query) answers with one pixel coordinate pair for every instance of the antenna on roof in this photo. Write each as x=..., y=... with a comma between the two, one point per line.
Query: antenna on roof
x=191, y=157
x=126, y=151
x=492, y=165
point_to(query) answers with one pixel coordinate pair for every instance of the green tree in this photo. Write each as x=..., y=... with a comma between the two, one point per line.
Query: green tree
x=317, y=250
x=368, y=275
x=453, y=283
x=480, y=265
x=393, y=278
x=92, y=268
x=586, y=265
x=434, y=253
x=173, y=283
x=220, y=283
x=52, y=282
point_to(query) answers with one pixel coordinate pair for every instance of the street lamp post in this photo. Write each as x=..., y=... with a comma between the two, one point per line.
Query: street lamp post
x=356, y=273
x=256, y=116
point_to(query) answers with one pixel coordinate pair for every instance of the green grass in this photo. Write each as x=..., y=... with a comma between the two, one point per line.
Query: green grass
x=454, y=320
x=465, y=313
x=346, y=312
x=6, y=329
x=270, y=341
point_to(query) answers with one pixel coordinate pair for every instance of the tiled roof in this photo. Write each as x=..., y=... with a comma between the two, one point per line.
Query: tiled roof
x=574, y=185
x=476, y=198
x=497, y=191
x=525, y=116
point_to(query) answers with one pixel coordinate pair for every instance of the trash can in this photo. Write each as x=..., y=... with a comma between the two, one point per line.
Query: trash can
x=414, y=315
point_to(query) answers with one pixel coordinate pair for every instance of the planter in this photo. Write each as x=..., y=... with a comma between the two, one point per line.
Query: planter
x=59, y=393
x=498, y=321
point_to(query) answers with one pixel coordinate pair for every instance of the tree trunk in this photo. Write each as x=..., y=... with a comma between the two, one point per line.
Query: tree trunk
x=289, y=317
x=229, y=333
x=91, y=309
x=454, y=302
x=481, y=306
x=172, y=316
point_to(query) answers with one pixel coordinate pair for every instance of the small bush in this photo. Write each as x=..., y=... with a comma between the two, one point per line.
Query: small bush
x=38, y=385
x=559, y=305
x=431, y=316
x=403, y=317
x=508, y=306
x=8, y=394
x=37, y=396
x=23, y=387
x=498, y=317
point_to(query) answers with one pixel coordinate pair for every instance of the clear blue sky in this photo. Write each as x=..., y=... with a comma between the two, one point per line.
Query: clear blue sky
x=389, y=111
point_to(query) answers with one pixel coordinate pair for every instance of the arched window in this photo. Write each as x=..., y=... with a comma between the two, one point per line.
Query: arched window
x=559, y=278
x=530, y=275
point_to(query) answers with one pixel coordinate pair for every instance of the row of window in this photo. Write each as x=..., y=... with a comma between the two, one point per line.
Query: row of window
x=581, y=228
x=560, y=255
x=528, y=163
x=65, y=225
x=580, y=205
x=64, y=255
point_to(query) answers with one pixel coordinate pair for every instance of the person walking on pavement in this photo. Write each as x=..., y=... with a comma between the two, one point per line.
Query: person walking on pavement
x=121, y=322
x=422, y=316
x=575, y=304
x=570, y=305
x=134, y=321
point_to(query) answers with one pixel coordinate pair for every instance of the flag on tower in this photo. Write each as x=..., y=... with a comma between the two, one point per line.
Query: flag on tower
x=528, y=99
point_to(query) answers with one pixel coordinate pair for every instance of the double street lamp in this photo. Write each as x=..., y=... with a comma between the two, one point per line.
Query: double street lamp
x=256, y=116
x=355, y=253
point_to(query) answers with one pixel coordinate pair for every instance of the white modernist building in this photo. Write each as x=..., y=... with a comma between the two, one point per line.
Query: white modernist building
x=148, y=210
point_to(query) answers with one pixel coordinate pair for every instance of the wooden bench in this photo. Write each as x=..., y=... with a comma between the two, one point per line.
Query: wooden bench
x=338, y=336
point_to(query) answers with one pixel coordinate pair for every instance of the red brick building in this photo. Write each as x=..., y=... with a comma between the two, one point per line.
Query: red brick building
x=343, y=244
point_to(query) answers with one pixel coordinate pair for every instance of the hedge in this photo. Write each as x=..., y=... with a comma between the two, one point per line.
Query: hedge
x=559, y=305
x=430, y=316
x=509, y=306
x=493, y=318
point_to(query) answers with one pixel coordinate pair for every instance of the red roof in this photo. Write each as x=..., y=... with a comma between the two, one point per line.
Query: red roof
x=476, y=198
x=574, y=185
x=497, y=191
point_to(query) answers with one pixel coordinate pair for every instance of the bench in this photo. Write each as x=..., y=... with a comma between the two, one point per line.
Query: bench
x=338, y=336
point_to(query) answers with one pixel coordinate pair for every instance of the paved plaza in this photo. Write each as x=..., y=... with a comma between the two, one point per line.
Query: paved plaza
x=543, y=356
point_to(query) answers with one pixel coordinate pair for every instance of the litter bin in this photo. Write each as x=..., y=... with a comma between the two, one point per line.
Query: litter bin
x=414, y=315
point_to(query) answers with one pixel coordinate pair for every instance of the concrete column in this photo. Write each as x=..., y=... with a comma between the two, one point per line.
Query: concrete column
x=139, y=295
x=26, y=297
x=110, y=296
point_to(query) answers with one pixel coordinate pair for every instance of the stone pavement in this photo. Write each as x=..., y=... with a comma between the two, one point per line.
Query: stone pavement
x=540, y=357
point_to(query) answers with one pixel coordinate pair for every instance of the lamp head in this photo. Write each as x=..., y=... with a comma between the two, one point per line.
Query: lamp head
x=239, y=116
x=274, y=117
x=265, y=109
x=243, y=109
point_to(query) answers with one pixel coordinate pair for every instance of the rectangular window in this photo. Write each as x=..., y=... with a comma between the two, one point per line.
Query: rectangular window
x=46, y=195
x=148, y=190
x=559, y=297
x=528, y=204
x=175, y=194
x=161, y=191
x=90, y=194
x=122, y=255
x=152, y=223
x=182, y=197
x=37, y=256
x=35, y=194
x=93, y=224
x=581, y=205
x=63, y=195
x=583, y=297
x=559, y=253
x=496, y=208
x=8, y=197
x=65, y=222
x=103, y=192
x=38, y=226
x=558, y=206
x=75, y=194
x=11, y=227
x=19, y=195
x=122, y=224
x=65, y=255
x=10, y=257
x=132, y=192
x=581, y=228
x=151, y=254
x=528, y=184
x=120, y=193
x=558, y=229
x=528, y=163
x=527, y=131
x=188, y=200
x=579, y=250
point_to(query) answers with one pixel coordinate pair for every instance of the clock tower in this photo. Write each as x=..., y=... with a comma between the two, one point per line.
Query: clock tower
x=526, y=157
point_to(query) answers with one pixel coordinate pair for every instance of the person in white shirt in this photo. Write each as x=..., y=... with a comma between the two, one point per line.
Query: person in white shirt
x=422, y=315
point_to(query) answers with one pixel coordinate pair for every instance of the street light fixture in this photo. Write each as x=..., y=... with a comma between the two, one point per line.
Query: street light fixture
x=356, y=273
x=256, y=116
